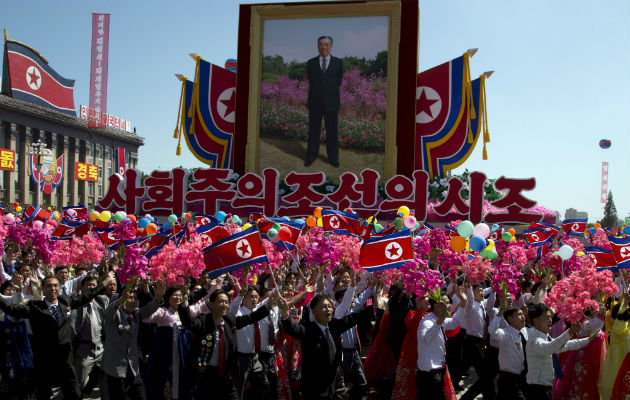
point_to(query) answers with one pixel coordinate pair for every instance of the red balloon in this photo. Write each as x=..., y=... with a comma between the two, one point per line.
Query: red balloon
x=132, y=218
x=139, y=232
x=15, y=204
x=555, y=260
x=284, y=234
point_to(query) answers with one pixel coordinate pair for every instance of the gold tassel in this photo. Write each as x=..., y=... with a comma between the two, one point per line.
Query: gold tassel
x=468, y=83
x=485, y=152
x=486, y=133
x=180, y=106
x=179, y=149
x=195, y=93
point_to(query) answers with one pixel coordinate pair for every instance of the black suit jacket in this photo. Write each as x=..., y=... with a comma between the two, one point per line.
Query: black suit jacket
x=204, y=328
x=318, y=373
x=323, y=89
x=51, y=342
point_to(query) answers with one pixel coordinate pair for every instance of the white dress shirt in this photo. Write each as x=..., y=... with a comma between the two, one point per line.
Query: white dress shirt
x=321, y=59
x=475, y=316
x=245, y=336
x=511, y=352
x=539, y=351
x=431, y=341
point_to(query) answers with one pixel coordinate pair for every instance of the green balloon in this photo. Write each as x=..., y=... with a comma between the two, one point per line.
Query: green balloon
x=465, y=229
x=398, y=223
x=485, y=253
x=378, y=227
x=507, y=236
x=493, y=255
x=627, y=221
x=276, y=226
x=417, y=227
x=118, y=217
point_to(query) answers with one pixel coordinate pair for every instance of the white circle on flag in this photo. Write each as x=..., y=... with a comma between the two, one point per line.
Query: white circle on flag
x=243, y=249
x=434, y=106
x=535, y=237
x=70, y=231
x=393, y=251
x=121, y=171
x=625, y=252
x=575, y=227
x=33, y=77
x=226, y=103
x=334, y=222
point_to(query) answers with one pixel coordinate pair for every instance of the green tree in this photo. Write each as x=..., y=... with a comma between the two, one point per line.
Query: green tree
x=610, y=213
x=378, y=66
x=297, y=70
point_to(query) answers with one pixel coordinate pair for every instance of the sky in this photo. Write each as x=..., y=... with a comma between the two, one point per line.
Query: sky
x=561, y=81
x=295, y=39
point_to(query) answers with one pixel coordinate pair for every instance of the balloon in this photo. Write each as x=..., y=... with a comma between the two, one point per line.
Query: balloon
x=626, y=230
x=151, y=229
x=597, y=226
x=143, y=222
x=300, y=222
x=94, y=215
x=398, y=223
x=506, y=237
x=627, y=221
x=247, y=226
x=72, y=212
x=458, y=243
x=167, y=226
x=118, y=217
x=416, y=226
x=482, y=230
x=285, y=218
x=235, y=219
x=187, y=216
x=320, y=222
x=220, y=216
x=132, y=218
x=15, y=204
x=477, y=243
x=579, y=253
x=9, y=219
x=565, y=252
x=410, y=221
x=605, y=143
x=38, y=224
x=311, y=221
x=318, y=212
x=284, y=233
x=495, y=228
x=493, y=255
x=371, y=219
x=18, y=209
x=349, y=210
x=172, y=219
x=272, y=233
x=485, y=253
x=592, y=231
x=513, y=239
x=465, y=229
x=404, y=210
x=378, y=227
x=106, y=216
x=512, y=231
x=490, y=245
x=276, y=226
x=276, y=239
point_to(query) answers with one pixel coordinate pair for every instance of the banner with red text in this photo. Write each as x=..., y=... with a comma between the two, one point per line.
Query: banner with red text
x=98, y=69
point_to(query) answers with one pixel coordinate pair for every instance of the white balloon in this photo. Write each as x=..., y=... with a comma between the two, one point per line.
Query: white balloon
x=565, y=252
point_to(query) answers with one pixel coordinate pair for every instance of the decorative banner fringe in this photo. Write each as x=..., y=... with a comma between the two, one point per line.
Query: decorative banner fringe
x=180, y=126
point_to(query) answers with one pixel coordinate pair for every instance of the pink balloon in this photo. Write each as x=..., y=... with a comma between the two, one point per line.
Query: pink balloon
x=52, y=222
x=410, y=221
x=9, y=219
x=482, y=230
x=38, y=224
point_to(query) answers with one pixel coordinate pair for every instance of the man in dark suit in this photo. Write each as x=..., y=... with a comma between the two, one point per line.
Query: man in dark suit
x=52, y=334
x=213, y=355
x=325, y=74
x=322, y=348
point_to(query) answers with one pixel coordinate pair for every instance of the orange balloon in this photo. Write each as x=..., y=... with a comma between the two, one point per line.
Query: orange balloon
x=151, y=229
x=597, y=226
x=512, y=231
x=318, y=212
x=458, y=243
x=311, y=221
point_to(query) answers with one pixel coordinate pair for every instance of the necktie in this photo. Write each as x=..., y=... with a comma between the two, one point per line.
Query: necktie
x=324, y=64
x=271, y=335
x=221, y=369
x=56, y=314
x=129, y=319
x=356, y=338
x=524, y=343
x=256, y=337
x=331, y=346
x=557, y=367
x=64, y=291
x=95, y=330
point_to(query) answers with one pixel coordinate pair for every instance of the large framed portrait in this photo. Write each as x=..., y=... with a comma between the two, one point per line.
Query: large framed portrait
x=322, y=87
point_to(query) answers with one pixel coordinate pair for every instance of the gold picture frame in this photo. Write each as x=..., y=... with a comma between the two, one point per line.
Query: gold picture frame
x=260, y=13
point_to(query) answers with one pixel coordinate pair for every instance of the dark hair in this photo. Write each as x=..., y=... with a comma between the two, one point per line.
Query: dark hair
x=289, y=274
x=169, y=292
x=339, y=294
x=319, y=298
x=26, y=253
x=20, y=265
x=432, y=303
x=47, y=278
x=216, y=293
x=252, y=288
x=264, y=290
x=87, y=279
x=536, y=310
x=477, y=285
x=5, y=286
x=61, y=267
x=510, y=311
x=528, y=283
x=325, y=37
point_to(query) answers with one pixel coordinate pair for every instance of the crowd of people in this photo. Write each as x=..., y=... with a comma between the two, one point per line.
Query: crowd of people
x=299, y=333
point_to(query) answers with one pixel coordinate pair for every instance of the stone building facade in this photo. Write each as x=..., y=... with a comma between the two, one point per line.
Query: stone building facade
x=22, y=123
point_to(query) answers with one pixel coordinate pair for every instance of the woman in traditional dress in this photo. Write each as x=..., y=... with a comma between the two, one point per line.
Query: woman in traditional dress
x=621, y=390
x=617, y=348
x=165, y=374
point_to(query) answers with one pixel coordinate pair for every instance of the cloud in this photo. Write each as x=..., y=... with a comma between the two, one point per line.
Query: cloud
x=362, y=43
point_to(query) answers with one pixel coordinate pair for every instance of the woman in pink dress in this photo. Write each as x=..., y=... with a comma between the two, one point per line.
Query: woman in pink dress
x=621, y=390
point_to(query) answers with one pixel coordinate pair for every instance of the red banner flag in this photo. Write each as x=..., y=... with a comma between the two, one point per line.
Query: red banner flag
x=98, y=70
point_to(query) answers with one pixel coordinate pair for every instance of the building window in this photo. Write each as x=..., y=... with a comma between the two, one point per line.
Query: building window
x=90, y=188
x=97, y=151
x=108, y=152
x=100, y=189
x=109, y=171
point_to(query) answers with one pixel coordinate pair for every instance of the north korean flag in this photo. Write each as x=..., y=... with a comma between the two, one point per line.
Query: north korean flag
x=176, y=234
x=621, y=250
x=427, y=226
x=366, y=230
x=236, y=251
x=340, y=222
x=212, y=232
x=66, y=228
x=538, y=236
x=496, y=235
x=544, y=225
x=604, y=258
x=383, y=232
x=202, y=219
x=255, y=215
x=31, y=79
x=1, y=211
x=391, y=251
x=295, y=228
x=451, y=231
x=542, y=250
x=574, y=226
x=33, y=214
x=81, y=210
x=107, y=237
x=151, y=245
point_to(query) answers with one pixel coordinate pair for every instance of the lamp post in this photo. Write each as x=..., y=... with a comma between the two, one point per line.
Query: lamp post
x=38, y=149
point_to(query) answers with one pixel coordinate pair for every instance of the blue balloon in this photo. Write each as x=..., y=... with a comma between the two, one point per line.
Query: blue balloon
x=220, y=216
x=495, y=227
x=300, y=222
x=167, y=226
x=143, y=222
x=286, y=218
x=592, y=231
x=477, y=243
x=626, y=230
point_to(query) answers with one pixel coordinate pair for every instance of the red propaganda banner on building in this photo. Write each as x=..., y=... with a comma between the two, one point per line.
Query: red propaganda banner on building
x=98, y=70
x=209, y=190
x=86, y=172
x=7, y=160
x=604, y=192
x=120, y=161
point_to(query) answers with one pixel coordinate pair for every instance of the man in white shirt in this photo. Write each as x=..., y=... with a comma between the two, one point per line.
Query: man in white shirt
x=541, y=348
x=432, y=348
x=508, y=329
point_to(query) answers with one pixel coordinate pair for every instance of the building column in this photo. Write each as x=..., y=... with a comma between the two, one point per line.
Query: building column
x=23, y=173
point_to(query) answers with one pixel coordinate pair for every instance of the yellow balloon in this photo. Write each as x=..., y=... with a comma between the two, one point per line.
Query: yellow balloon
x=106, y=216
x=491, y=245
x=467, y=245
x=404, y=210
x=320, y=222
x=513, y=239
x=247, y=226
x=579, y=253
x=18, y=209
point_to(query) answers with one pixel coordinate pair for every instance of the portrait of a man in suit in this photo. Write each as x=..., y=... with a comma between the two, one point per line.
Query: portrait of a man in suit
x=325, y=74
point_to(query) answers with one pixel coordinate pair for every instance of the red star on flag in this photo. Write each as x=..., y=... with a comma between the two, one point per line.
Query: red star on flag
x=424, y=104
x=229, y=104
